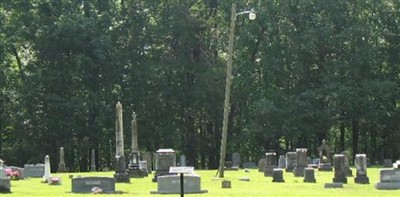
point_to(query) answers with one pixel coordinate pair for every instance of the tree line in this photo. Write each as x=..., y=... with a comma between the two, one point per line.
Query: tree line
x=303, y=71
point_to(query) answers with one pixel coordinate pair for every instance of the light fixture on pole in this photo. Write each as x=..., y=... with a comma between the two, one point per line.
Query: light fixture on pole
x=252, y=16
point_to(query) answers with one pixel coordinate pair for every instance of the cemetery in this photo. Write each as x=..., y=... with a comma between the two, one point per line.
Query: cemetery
x=199, y=98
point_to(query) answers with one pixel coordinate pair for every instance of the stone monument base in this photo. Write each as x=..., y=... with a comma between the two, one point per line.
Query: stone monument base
x=122, y=178
x=5, y=185
x=333, y=185
x=136, y=173
x=309, y=175
x=339, y=180
x=388, y=185
x=269, y=170
x=277, y=175
x=170, y=184
x=298, y=171
x=325, y=167
x=361, y=180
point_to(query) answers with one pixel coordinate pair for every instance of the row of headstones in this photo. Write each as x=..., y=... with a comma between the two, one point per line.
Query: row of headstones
x=296, y=162
x=39, y=170
x=297, y=159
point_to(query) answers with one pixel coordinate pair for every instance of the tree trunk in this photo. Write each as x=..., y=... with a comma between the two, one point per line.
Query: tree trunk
x=342, y=135
x=354, y=123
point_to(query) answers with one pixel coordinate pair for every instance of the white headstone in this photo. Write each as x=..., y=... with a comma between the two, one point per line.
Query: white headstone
x=47, y=170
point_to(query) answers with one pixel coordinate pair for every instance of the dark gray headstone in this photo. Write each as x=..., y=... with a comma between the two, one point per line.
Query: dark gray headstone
x=86, y=184
x=309, y=175
x=165, y=158
x=121, y=175
x=301, y=162
x=340, y=169
x=5, y=182
x=282, y=161
x=261, y=165
x=61, y=165
x=387, y=163
x=271, y=163
x=35, y=171
x=277, y=175
x=333, y=185
x=226, y=184
x=170, y=184
x=290, y=161
x=361, y=169
x=149, y=160
x=348, y=171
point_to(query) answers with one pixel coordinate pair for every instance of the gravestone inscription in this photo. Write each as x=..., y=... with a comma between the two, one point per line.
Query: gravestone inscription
x=86, y=184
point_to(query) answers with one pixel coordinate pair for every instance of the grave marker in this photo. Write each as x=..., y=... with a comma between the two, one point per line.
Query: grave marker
x=290, y=161
x=87, y=184
x=361, y=169
x=301, y=162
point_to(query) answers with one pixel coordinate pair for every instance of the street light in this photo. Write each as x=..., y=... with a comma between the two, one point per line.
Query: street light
x=252, y=16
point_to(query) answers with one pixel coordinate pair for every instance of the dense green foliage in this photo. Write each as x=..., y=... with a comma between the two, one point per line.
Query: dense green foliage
x=304, y=70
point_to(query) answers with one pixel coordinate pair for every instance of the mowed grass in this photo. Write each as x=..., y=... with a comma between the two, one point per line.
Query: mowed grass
x=257, y=186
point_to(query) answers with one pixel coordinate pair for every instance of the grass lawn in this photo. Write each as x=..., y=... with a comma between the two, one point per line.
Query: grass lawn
x=258, y=186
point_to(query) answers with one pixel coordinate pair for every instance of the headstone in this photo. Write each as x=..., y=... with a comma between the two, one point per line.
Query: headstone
x=333, y=185
x=389, y=177
x=270, y=158
x=165, y=158
x=309, y=175
x=1, y=164
x=261, y=165
x=277, y=175
x=340, y=169
x=349, y=172
x=35, y=171
x=387, y=163
x=171, y=184
x=148, y=157
x=290, y=161
x=182, y=160
x=247, y=179
x=315, y=161
x=93, y=161
x=301, y=162
x=134, y=169
x=47, y=169
x=121, y=175
x=282, y=161
x=87, y=184
x=325, y=158
x=61, y=165
x=361, y=169
x=236, y=160
x=226, y=184
x=143, y=167
x=5, y=182
x=249, y=165
x=17, y=172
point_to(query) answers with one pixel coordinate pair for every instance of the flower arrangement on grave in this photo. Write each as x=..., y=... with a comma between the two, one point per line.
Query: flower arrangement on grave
x=13, y=174
x=55, y=180
x=96, y=190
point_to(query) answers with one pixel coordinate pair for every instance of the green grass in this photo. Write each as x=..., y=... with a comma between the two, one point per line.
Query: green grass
x=258, y=186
